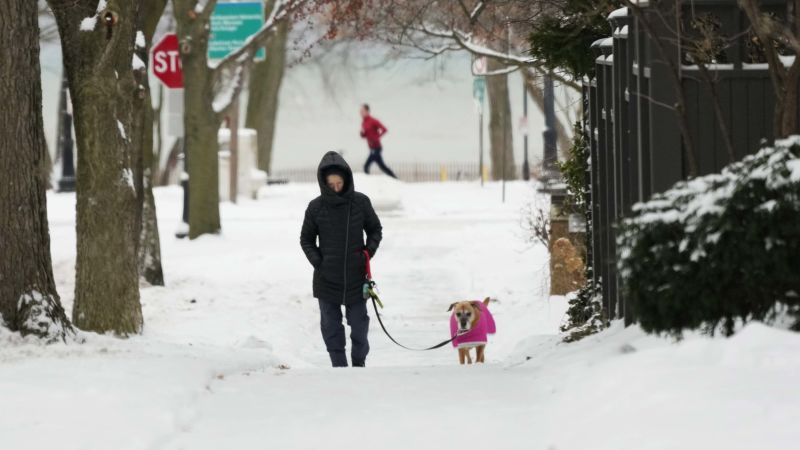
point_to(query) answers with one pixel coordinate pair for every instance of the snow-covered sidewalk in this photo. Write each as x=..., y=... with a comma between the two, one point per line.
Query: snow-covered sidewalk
x=210, y=370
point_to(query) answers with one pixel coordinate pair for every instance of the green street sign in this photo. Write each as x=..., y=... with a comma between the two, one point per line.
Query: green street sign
x=231, y=25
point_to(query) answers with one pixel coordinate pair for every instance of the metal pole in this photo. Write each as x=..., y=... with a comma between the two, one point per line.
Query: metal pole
x=183, y=229
x=480, y=144
x=526, y=169
x=65, y=142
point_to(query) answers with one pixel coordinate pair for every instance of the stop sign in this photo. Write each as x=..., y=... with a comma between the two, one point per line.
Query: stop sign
x=167, y=61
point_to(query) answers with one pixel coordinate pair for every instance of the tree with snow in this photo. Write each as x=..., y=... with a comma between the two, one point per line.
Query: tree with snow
x=149, y=251
x=209, y=95
x=98, y=40
x=29, y=302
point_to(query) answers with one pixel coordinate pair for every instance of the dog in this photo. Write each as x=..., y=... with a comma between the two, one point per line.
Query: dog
x=470, y=325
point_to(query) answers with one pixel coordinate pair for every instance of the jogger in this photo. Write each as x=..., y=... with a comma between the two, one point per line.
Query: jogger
x=372, y=130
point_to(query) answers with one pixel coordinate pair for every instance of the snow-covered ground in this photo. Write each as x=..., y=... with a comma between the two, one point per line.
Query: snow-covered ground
x=231, y=355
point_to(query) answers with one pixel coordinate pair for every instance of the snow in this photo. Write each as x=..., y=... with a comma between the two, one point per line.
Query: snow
x=231, y=357
x=127, y=178
x=621, y=12
x=137, y=63
x=121, y=129
x=88, y=23
x=385, y=193
x=788, y=61
x=140, y=40
x=227, y=92
x=200, y=6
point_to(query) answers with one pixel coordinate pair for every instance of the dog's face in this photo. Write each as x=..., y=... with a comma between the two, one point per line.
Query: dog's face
x=466, y=314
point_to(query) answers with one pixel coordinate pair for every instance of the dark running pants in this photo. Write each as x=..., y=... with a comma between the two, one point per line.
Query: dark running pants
x=375, y=156
x=333, y=332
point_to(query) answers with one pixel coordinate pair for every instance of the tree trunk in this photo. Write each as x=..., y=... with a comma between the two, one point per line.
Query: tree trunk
x=265, y=83
x=101, y=79
x=500, y=124
x=200, y=122
x=29, y=302
x=149, y=245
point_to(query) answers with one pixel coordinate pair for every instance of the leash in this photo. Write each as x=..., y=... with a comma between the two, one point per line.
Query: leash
x=369, y=289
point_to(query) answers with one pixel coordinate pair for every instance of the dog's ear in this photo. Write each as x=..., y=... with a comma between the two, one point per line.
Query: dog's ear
x=452, y=305
x=476, y=304
x=486, y=301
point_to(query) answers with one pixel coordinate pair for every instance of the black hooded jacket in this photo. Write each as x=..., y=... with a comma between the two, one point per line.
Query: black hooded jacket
x=340, y=221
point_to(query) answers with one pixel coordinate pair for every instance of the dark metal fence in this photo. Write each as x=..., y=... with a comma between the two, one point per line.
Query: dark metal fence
x=408, y=172
x=631, y=119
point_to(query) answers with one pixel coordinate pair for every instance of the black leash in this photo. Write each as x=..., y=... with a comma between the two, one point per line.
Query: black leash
x=369, y=291
x=378, y=315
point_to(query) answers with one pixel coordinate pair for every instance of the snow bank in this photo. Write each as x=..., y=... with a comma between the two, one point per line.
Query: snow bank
x=384, y=192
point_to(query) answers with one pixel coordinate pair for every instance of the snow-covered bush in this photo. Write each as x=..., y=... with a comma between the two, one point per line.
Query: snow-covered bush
x=585, y=313
x=719, y=248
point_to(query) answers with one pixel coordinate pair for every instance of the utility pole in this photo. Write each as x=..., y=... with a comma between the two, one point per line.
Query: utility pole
x=478, y=94
x=480, y=144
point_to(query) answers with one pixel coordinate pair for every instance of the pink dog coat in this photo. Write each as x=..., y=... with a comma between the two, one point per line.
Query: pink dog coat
x=479, y=333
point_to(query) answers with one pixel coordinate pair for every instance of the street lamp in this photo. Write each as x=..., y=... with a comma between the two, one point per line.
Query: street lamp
x=65, y=143
x=526, y=168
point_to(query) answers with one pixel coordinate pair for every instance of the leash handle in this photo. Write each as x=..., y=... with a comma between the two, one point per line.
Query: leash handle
x=369, y=269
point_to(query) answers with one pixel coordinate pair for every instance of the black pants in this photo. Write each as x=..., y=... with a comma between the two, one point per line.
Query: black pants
x=375, y=156
x=333, y=332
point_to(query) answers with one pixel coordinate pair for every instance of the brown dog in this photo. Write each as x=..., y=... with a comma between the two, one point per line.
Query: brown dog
x=470, y=325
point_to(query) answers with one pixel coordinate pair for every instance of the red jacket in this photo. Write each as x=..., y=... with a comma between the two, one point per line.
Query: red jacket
x=372, y=130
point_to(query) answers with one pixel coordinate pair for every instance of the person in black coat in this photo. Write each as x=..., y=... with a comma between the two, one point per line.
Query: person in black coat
x=340, y=217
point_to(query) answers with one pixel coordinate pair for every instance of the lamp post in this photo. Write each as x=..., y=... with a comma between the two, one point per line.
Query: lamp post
x=549, y=134
x=526, y=168
x=65, y=143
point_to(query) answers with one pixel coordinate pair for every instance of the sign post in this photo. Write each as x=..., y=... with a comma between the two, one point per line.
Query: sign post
x=231, y=25
x=478, y=93
x=166, y=64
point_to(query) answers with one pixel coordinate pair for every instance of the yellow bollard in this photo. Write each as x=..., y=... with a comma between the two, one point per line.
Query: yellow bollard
x=485, y=173
x=442, y=173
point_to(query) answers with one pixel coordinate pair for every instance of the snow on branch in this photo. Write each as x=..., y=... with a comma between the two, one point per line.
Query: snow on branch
x=89, y=23
x=204, y=7
x=229, y=89
x=476, y=11
x=464, y=40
